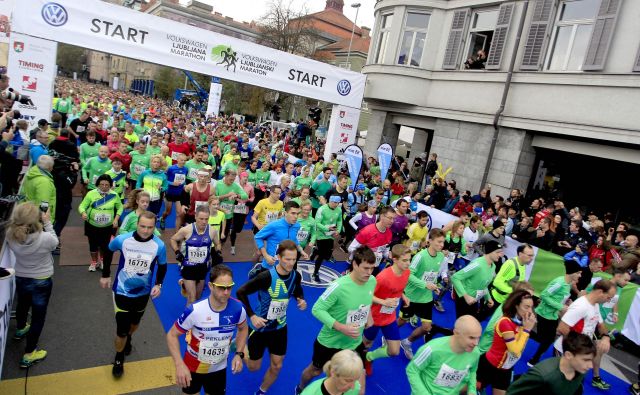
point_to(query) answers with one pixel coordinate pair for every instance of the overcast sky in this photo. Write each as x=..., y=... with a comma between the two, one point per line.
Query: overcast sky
x=247, y=10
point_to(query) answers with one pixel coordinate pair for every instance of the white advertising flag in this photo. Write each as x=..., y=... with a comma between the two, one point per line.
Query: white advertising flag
x=213, y=107
x=32, y=70
x=120, y=31
x=342, y=131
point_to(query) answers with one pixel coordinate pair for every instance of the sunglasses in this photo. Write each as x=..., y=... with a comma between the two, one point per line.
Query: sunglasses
x=223, y=287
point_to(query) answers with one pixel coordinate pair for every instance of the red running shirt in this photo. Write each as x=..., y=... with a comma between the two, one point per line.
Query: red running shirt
x=371, y=237
x=388, y=285
x=498, y=355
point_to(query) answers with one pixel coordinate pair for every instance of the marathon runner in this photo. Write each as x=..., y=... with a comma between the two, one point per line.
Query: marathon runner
x=446, y=365
x=343, y=309
x=275, y=287
x=154, y=181
x=343, y=374
x=199, y=193
x=140, y=254
x=328, y=227
x=211, y=323
x=198, y=240
x=176, y=178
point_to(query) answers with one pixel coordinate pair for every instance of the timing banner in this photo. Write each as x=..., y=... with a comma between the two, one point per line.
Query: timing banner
x=342, y=131
x=32, y=70
x=133, y=34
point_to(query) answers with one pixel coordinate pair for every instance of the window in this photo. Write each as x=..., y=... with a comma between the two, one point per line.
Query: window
x=483, y=25
x=383, y=40
x=572, y=34
x=413, y=38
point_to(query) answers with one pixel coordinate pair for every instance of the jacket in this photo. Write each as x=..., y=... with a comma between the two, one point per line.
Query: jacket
x=36, y=150
x=33, y=257
x=38, y=187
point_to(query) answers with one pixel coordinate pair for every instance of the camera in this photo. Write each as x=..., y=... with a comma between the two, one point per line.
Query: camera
x=10, y=94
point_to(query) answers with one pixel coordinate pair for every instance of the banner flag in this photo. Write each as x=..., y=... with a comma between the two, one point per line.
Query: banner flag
x=215, y=92
x=353, y=155
x=385, y=154
x=342, y=131
x=32, y=71
x=124, y=32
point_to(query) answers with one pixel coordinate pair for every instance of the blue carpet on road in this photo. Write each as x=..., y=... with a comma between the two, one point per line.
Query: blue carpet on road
x=388, y=375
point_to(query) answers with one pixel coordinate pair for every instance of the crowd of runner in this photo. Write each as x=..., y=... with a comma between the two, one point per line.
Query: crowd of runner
x=135, y=156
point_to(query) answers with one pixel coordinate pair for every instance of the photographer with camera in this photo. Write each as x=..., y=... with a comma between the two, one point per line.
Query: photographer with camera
x=8, y=96
x=38, y=185
x=65, y=176
x=31, y=238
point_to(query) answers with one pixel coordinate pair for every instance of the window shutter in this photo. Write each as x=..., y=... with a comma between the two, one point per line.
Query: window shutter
x=601, y=35
x=636, y=67
x=500, y=36
x=538, y=35
x=454, y=43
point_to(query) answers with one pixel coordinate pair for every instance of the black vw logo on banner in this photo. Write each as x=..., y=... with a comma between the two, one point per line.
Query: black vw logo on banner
x=54, y=14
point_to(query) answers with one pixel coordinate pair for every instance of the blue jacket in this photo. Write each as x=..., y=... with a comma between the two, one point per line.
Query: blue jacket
x=583, y=260
x=450, y=204
x=37, y=150
x=273, y=233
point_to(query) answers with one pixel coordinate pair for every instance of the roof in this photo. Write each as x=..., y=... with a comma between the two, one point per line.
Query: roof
x=359, y=44
x=333, y=22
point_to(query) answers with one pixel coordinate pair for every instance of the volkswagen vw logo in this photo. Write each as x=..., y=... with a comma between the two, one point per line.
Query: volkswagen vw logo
x=54, y=14
x=327, y=275
x=344, y=87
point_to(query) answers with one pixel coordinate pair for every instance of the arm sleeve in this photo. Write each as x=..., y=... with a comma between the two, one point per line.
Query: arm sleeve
x=313, y=232
x=340, y=222
x=140, y=178
x=119, y=207
x=320, y=227
x=354, y=245
x=162, y=272
x=354, y=220
x=458, y=278
x=413, y=278
x=261, y=281
x=515, y=344
x=85, y=168
x=549, y=296
x=298, y=292
x=414, y=369
x=165, y=183
x=262, y=235
x=322, y=305
x=472, y=379
x=584, y=260
x=569, y=255
x=84, y=205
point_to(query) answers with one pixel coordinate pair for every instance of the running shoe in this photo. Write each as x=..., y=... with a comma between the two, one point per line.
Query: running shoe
x=531, y=363
x=162, y=224
x=118, y=369
x=100, y=264
x=92, y=266
x=634, y=389
x=21, y=333
x=406, y=347
x=233, y=250
x=600, y=384
x=368, y=367
x=33, y=357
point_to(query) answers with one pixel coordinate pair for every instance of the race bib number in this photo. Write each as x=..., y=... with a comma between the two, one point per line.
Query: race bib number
x=226, y=207
x=212, y=352
x=197, y=254
x=180, y=178
x=240, y=208
x=358, y=317
x=511, y=360
x=430, y=277
x=302, y=235
x=102, y=218
x=277, y=309
x=174, y=155
x=193, y=174
x=271, y=216
x=200, y=203
x=450, y=377
x=138, y=169
x=244, y=154
x=450, y=257
x=387, y=310
x=138, y=263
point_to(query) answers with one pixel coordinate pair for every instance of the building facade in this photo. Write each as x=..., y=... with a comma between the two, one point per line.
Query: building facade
x=568, y=120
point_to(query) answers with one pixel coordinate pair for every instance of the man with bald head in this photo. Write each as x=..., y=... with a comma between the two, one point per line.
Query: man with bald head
x=447, y=364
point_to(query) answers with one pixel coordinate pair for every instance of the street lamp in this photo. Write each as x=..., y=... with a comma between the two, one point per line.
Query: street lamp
x=357, y=7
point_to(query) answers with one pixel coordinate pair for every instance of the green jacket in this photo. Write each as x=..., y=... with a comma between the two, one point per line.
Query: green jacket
x=38, y=187
x=511, y=270
x=101, y=210
x=325, y=218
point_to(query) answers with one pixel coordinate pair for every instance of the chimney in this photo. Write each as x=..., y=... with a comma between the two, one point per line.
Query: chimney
x=366, y=32
x=336, y=5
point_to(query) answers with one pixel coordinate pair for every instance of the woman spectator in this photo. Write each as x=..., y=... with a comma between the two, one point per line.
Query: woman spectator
x=30, y=236
x=495, y=368
x=602, y=249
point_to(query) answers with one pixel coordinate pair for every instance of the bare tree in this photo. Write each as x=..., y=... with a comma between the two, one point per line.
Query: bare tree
x=288, y=29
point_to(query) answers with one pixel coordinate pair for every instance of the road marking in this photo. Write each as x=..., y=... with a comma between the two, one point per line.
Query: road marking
x=138, y=376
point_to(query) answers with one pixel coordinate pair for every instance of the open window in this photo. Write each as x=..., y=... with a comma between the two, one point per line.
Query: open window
x=481, y=30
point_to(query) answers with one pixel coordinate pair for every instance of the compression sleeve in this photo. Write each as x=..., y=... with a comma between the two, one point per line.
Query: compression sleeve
x=353, y=221
x=162, y=271
x=261, y=281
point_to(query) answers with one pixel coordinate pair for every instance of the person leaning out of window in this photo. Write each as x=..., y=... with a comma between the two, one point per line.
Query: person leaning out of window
x=31, y=237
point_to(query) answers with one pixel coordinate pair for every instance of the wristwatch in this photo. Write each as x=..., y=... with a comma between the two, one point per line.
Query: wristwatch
x=240, y=354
